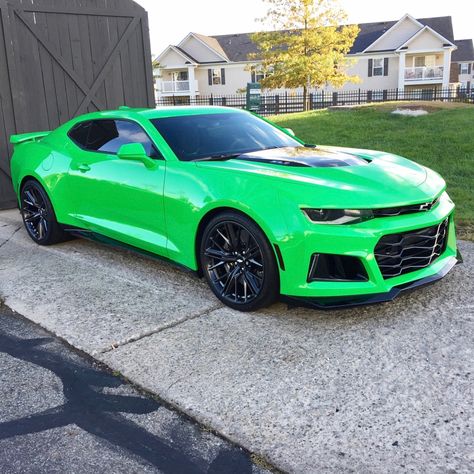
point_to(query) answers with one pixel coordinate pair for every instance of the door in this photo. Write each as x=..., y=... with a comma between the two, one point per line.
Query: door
x=118, y=198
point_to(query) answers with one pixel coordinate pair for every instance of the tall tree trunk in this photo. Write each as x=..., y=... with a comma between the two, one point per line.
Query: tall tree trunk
x=305, y=98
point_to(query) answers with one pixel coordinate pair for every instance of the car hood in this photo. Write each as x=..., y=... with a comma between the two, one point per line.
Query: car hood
x=364, y=178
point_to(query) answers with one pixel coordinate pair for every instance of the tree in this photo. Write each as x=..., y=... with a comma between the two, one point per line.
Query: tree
x=307, y=46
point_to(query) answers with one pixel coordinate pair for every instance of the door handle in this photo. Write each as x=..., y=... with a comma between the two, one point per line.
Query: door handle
x=83, y=167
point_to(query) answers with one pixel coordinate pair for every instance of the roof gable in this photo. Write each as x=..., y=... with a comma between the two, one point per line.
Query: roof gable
x=398, y=33
x=212, y=43
x=204, y=49
x=426, y=38
x=173, y=56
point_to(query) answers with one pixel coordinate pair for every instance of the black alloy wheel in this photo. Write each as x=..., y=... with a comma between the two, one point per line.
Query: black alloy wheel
x=38, y=215
x=238, y=263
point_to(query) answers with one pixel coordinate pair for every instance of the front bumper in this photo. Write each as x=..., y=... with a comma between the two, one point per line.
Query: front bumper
x=351, y=301
x=359, y=241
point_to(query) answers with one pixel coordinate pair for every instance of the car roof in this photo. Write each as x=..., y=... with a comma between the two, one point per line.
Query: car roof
x=159, y=112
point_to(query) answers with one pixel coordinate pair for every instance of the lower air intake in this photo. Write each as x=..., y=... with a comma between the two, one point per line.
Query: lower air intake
x=330, y=267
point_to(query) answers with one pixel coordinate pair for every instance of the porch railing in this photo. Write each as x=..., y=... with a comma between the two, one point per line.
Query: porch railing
x=176, y=86
x=424, y=73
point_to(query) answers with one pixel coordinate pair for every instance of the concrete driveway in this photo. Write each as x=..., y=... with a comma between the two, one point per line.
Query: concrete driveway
x=385, y=388
x=62, y=413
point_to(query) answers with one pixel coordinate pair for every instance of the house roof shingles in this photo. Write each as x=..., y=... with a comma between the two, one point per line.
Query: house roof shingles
x=237, y=47
x=465, y=51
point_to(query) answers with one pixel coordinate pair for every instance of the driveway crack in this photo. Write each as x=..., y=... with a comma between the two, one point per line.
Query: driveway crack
x=11, y=236
x=151, y=332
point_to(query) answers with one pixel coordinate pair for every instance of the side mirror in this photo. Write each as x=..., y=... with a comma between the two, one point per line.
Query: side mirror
x=136, y=152
x=290, y=131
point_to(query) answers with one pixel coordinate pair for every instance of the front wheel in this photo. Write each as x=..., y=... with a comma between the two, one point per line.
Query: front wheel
x=38, y=215
x=238, y=262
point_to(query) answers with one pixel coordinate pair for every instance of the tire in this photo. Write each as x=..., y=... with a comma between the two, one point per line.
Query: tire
x=238, y=262
x=38, y=215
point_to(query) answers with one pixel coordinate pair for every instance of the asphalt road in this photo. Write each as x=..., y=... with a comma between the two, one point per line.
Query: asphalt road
x=382, y=388
x=61, y=413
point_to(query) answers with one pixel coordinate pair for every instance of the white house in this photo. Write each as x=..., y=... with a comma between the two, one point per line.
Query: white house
x=405, y=54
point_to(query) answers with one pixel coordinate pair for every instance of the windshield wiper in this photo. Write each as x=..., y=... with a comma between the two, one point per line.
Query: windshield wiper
x=229, y=156
x=221, y=157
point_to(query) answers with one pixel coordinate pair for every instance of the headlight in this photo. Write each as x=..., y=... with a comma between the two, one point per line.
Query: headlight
x=338, y=216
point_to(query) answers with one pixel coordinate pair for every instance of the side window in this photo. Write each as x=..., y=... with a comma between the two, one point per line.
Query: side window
x=79, y=133
x=108, y=136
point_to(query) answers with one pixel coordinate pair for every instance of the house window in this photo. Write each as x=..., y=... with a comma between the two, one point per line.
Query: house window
x=216, y=76
x=257, y=75
x=180, y=76
x=425, y=61
x=377, y=67
x=464, y=68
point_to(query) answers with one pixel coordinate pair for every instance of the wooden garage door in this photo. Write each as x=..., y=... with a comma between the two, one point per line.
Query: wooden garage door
x=61, y=58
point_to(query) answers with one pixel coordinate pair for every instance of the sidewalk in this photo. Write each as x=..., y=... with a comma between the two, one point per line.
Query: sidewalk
x=381, y=388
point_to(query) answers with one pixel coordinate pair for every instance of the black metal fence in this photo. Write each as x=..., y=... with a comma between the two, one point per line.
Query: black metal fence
x=287, y=102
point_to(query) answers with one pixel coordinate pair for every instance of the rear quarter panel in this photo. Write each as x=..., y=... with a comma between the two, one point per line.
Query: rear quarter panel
x=48, y=165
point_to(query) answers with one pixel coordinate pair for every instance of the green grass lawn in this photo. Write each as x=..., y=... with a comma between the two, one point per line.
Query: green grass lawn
x=442, y=140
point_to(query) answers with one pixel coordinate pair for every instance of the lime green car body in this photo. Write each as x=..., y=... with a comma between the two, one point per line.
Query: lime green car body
x=162, y=209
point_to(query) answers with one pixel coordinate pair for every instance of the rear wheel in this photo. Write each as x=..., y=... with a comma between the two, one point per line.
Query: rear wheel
x=38, y=215
x=238, y=262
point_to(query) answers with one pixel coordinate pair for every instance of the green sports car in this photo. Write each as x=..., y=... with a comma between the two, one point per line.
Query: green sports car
x=241, y=201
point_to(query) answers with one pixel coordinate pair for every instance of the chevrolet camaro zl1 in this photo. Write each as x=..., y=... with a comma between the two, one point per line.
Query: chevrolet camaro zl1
x=241, y=201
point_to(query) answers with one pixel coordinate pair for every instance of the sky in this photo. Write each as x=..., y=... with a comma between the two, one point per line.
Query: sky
x=171, y=20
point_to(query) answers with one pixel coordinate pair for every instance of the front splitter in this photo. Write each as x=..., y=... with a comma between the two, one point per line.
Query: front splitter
x=343, y=302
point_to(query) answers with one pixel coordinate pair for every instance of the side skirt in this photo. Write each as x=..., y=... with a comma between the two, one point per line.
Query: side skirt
x=96, y=237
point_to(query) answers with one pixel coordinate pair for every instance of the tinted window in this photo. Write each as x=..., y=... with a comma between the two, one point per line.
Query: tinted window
x=79, y=133
x=198, y=136
x=109, y=135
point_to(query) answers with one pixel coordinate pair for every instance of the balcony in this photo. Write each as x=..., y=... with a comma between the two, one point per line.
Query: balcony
x=424, y=74
x=178, y=87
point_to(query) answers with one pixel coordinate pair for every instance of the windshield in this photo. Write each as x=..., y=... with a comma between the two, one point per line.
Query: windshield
x=194, y=137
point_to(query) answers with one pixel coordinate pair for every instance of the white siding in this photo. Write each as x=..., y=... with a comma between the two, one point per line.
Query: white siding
x=172, y=59
x=396, y=36
x=199, y=51
x=426, y=40
x=236, y=77
x=360, y=68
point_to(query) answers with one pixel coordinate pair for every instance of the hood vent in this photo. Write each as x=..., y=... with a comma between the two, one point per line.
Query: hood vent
x=304, y=157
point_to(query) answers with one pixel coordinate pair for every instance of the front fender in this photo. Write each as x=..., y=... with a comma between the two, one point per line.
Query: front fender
x=191, y=193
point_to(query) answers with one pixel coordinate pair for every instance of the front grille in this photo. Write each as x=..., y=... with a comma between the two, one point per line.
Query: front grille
x=398, y=211
x=397, y=254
